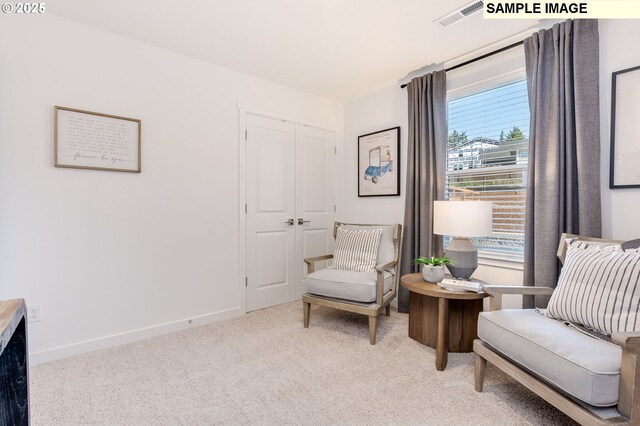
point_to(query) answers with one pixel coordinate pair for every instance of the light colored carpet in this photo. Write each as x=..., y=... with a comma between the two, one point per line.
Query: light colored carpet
x=265, y=368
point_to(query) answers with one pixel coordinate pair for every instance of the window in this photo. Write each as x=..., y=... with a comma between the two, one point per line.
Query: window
x=487, y=156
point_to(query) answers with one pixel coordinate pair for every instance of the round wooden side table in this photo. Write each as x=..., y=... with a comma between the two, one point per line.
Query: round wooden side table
x=441, y=319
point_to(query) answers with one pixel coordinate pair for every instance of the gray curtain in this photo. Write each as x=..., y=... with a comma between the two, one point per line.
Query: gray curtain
x=426, y=165
x=563, y=189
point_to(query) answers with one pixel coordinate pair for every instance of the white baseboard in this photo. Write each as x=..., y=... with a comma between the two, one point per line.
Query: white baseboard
x=105, y=342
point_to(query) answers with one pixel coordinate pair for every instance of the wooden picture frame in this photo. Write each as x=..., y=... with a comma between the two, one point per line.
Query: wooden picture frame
x=96, y=141
x=379, y=163
x=625, y=128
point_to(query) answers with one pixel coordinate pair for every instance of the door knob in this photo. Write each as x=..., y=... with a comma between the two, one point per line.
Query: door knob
x=301, y=221
x=289, y=222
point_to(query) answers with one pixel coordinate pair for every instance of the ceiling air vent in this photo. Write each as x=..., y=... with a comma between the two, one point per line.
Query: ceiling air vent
x=461, y=13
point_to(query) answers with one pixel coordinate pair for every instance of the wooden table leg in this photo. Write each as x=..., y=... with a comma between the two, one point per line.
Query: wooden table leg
x=442, y=346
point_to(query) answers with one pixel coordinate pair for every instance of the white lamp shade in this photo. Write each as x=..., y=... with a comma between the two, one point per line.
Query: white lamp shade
x=463, y=218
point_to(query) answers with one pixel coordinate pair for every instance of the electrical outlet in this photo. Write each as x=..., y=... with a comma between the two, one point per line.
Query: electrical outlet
x=33, y=312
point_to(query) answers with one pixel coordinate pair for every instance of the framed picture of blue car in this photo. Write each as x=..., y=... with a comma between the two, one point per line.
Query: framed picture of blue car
x=379, y=163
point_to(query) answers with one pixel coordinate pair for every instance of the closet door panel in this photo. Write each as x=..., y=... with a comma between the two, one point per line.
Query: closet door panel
x=270, y=231
x=315, y=194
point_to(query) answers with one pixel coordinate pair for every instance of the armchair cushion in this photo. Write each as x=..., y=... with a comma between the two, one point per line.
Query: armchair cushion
x=599, y=288
x=356, y=250
x=578, y=365
x=348, y=285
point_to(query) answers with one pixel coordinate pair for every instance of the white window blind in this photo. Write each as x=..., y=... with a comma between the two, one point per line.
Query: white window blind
x=487, y=156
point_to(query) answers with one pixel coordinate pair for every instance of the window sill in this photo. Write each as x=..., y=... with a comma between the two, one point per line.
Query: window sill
x=501, y=260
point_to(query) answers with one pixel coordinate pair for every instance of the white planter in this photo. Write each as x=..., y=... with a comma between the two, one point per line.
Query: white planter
x=433, y=274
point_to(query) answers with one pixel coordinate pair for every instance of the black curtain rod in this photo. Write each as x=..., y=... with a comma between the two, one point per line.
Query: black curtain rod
x=486, y=55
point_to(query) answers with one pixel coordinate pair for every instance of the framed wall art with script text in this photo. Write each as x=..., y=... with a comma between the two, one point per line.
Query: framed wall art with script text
x=96, y=141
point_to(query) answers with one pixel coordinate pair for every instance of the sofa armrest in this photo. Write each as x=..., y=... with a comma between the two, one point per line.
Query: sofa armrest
x=629, y=393
x=310, y=261
x=497, y=291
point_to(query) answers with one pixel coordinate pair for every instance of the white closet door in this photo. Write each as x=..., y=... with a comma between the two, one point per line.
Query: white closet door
x=315, y=198
x=272, y=274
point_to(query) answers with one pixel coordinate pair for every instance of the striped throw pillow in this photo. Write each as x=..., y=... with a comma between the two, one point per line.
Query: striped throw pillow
x=599, y=287
x=356, y=250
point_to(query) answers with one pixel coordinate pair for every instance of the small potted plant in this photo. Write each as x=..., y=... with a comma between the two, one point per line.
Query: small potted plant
x=432, y=267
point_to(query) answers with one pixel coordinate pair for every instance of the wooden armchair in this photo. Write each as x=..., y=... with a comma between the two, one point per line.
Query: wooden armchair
x=375, y=290
x=627, y=410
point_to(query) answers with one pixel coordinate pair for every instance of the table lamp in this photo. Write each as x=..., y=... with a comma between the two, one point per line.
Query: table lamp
x=461, y=220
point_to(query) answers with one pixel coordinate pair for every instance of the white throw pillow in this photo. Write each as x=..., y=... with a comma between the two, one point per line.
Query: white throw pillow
x=356, y=250
x=599, y=287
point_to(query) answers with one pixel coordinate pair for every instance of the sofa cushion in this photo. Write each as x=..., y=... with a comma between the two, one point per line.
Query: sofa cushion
x=356, y=250
x=387, y=249
x=576, y=364
x=348, y=285
x=599, y=287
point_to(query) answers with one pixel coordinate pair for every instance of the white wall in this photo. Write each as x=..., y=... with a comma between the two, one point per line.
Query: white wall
x=112, y=257
x=388, y=107
x=377, y=111
x=617, y=52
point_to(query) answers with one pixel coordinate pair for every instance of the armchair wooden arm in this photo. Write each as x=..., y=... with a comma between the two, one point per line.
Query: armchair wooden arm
x=629, y=393
x=310, y=261
x=380, y=279
x=497, y=291
x=628, y=341
x=383, y=267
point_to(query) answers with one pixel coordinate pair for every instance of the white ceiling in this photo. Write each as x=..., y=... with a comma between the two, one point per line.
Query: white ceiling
x=339, y=49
